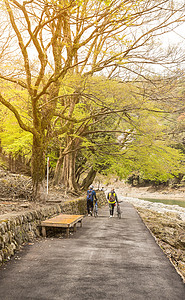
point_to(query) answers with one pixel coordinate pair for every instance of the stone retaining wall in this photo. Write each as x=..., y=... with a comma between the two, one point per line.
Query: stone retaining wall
x=24, y=227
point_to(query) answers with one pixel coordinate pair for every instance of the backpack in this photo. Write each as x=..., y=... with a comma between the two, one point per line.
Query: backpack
x=112, y=198
x=89, y=195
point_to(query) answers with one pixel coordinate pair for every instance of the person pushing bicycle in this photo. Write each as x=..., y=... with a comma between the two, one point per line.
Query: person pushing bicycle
x=112, y=199
x=91, y=196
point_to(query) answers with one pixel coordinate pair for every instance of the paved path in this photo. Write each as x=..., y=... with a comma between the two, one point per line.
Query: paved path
x=105, y=259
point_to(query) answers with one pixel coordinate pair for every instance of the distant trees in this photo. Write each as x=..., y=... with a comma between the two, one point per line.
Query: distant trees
x=44, y=42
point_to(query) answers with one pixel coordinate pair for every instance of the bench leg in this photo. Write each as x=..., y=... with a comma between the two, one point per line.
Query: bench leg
x=67, y=232
x=81, y=223
x=43, y=231
x=74, y=228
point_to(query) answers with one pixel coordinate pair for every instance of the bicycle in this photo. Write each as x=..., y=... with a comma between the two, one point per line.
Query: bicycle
x=118, y=210
x=95, y=210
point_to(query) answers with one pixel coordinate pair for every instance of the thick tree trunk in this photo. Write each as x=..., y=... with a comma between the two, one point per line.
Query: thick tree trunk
x=65, y=172
x=89, y=179
x=58, y=168
x=68, y=172
x=38, y=169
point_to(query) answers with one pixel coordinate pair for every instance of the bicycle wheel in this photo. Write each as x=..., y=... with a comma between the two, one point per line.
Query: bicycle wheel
x=119, y=212
x=95, y=211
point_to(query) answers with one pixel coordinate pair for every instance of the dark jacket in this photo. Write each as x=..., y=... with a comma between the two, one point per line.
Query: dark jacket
x=91, y=195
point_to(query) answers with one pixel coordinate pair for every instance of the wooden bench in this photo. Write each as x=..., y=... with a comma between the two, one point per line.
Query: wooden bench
x=62, y=220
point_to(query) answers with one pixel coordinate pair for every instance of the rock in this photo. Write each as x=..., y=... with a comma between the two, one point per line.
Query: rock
x=5, y=237
x=181, y=268
x=1, y=256
x=30, y=236
x=24, y=205
x=182, y=239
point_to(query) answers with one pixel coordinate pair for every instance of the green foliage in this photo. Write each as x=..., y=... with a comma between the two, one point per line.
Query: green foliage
x=127, y=135
x=13, y=138
x=144, y=147
x=154, y=161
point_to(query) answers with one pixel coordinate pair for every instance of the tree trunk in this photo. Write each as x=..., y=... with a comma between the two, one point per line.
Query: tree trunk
x=89, y=179
x=68, y=172
x=38, y=169
x=58, y=168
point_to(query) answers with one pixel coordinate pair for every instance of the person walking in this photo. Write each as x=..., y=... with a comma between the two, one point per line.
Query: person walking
x=91, y=195
x=112, y=199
